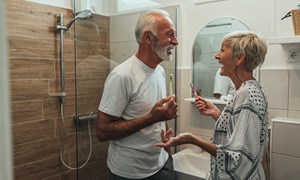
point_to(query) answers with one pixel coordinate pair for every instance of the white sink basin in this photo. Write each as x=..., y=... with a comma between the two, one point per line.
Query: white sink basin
x=190, y=165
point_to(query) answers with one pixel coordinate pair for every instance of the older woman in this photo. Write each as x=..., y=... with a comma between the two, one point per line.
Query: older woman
x=240, y=133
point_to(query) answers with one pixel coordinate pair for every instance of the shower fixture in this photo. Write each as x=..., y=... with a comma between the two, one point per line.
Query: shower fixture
x=81, y=15
x=61, y=28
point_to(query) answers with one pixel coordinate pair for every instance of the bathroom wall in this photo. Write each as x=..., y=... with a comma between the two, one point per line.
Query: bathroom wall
x=34, y=61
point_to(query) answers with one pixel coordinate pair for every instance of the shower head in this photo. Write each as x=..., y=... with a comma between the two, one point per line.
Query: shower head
x=81, y=15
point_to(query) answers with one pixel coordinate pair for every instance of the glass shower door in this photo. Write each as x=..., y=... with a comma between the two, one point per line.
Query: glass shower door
x=92, y=67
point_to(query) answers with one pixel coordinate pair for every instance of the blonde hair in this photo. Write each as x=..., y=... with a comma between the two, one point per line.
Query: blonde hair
x=248, y=43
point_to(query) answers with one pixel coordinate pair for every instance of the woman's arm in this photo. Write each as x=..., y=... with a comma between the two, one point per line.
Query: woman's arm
x=189, y=138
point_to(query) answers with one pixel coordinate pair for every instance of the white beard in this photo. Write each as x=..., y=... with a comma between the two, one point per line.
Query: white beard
x=163, y=52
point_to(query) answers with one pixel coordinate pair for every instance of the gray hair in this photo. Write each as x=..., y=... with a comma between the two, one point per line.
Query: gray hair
x=248, y=43
x=148, y=22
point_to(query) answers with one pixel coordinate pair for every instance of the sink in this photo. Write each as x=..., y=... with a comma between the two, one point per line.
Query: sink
x=191, y=165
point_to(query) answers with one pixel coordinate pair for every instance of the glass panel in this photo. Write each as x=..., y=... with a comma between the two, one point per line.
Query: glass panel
x=92, y=67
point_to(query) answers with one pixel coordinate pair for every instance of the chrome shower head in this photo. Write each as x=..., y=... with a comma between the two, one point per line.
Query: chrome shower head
x=81, y=15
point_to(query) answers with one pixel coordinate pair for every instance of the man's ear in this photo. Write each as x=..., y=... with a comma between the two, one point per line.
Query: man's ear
x=240, y=59
x=147, y=37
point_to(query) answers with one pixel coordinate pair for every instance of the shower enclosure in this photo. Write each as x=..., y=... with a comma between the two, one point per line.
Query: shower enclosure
x=56, y=88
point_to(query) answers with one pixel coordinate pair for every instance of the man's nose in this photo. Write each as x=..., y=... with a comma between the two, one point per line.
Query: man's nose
x=174, y=41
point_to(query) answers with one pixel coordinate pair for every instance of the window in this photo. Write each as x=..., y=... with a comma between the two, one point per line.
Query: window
x=130, y=5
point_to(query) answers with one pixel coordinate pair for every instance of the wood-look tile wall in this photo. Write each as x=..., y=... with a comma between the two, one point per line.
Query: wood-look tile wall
x=35, y=74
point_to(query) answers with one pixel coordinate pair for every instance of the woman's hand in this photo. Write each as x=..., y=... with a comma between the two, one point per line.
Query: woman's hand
x=182, y=138
x=207, y=108
x=165, y=138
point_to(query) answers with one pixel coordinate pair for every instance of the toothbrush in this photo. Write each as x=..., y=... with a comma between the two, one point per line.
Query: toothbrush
x=170, y=85
x=193, y=89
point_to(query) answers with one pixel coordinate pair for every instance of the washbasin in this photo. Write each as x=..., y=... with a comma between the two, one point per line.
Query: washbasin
x=191, y=165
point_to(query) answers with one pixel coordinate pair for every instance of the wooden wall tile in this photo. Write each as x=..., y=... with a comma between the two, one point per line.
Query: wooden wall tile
x=70, y=175
x=40, y=48
x=95, y=170
x=38, y=169
x=33, y=131
x=69, y=125
x=89, y=86
x=21, y=68
x=36, y=151
x=24, y=111
x=56, y=177
x=69, y=65
x=51, y=107
x=29, y=90
x=55, y=86
x=89, y=103
x=33, y=19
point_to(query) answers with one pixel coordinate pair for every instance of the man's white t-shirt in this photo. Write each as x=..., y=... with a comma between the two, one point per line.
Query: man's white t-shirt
x=130, y=91
x=224, y=86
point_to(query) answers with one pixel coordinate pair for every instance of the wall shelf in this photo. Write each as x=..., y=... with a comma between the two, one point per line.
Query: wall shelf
x=214, y=101
x=284, y=40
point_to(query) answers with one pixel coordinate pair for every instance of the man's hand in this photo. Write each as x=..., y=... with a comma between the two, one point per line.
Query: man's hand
x=165, y=109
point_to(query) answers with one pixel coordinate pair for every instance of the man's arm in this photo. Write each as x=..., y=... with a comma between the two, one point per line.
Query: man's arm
x=112, y=128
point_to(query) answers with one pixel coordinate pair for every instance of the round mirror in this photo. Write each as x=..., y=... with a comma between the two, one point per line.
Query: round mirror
x=206, y=45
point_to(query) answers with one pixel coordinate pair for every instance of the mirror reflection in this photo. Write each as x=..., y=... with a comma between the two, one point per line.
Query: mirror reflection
x=206, y=78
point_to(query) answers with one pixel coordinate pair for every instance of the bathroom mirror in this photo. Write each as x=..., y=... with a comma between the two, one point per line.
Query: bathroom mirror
x=207, y=43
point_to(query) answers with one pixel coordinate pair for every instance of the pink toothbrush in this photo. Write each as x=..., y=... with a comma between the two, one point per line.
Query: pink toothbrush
x=193, y=89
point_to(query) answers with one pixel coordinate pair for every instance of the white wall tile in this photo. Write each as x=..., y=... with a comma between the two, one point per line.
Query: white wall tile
x=122, y=27
x=273, y=113
x=184, y=115
x=294, y=114
x=275, y=84
x=276, y=58
x=192, y=121
x=120, y=51
x=294, y=90
x=183, y=82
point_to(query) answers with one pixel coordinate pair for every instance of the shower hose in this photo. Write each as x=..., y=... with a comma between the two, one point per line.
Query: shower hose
x=63, y=137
